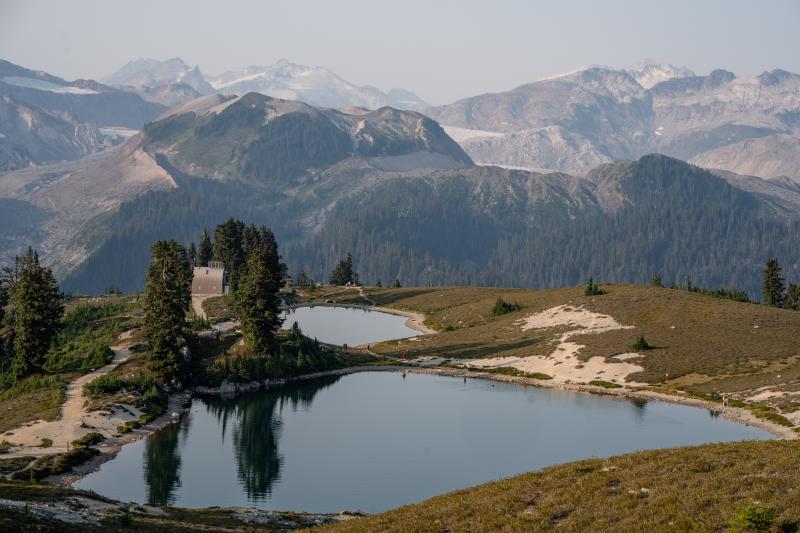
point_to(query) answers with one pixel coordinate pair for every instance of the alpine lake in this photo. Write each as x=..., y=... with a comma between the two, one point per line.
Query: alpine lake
x=372, y=441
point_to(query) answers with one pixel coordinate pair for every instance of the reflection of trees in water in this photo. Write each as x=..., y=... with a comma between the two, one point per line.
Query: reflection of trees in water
x=163, y=462
x=256, y=430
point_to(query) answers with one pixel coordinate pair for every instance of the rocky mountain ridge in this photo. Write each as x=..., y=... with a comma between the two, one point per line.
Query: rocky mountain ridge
x=599, y=114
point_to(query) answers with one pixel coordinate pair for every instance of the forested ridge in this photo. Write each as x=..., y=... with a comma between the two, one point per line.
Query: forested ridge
x=462, y=227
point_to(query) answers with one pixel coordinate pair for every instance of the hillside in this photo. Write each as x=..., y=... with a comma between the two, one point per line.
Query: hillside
x=683, y=489
x=702, y=345
x=595, y=115
x=45, y=119
x=395, y=190
x=483, y=226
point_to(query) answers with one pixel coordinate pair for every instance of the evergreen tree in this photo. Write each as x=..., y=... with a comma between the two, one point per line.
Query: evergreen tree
x=303, y=280
x=38, y=307
x=343, y=273
x=276, y=267
x=592, y=289
x=3, y=301
x=656, y=281
x=379, y=284
x=228, y=249
x=772, y=284
x=793, y=296
x=205, y=252
x=641, y=344
x=397, y=283
x=166, y=301
x=258, y=301
x=192, y=255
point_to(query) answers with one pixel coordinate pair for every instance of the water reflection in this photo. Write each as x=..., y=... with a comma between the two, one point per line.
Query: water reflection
x=255, y=423
x=162, y=464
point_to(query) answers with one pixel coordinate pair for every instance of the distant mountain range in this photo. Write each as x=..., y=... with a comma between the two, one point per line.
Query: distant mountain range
x=165, y=82
x=399, y=191
x=392, y=187
x=594, y=115
x=45, y=119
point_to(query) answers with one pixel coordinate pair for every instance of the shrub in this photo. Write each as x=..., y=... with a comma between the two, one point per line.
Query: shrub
x=46, y=443
x=31, y=384
x=50, y=465
x=605, y=384
x=502, y=307
x=641, y=344
x=5, y=446
x=89, y=439
x=592, y=289
x=752, y=518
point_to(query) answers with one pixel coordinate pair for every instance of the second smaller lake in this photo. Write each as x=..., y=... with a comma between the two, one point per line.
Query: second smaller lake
x=347, y=325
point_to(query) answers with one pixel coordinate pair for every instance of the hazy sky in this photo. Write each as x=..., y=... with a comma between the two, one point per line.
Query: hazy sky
x=442, y=50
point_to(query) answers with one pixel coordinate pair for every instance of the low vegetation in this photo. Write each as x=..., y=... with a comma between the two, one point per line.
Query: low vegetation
x=746, y=486
x=502, y=307
x=296, y=355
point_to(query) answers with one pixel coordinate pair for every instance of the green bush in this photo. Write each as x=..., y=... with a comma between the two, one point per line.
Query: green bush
x=502, y=307
x=50, y=465
x=297, y=355
x=641, y=344
x=46, y=443
x=112, y=383
x=752, y=518
x=605, y=384
x=89, y=439
x=14, y=387
x=592, y=289
x=511, y=371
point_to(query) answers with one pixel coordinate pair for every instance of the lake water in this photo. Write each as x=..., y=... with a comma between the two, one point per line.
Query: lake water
x=376, y=440
x=347, y=325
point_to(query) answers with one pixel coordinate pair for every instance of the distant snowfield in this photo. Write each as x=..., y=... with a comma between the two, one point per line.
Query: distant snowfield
x=460, y=135
x=33, y=83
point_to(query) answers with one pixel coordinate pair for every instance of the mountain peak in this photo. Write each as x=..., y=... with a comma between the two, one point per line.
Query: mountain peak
x=648, y=73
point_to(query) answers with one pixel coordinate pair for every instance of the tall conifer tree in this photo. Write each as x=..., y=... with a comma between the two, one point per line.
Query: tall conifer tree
x=205, y=251
x=258, y=300
x=772, y=284
x=343, y=273
x=228, y=248
x=38, y=308
x=167, y=298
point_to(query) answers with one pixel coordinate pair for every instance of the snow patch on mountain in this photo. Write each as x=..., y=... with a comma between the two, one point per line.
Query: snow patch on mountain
x=42, y=85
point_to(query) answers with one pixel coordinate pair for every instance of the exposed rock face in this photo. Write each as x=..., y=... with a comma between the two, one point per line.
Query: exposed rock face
x=596, y=114
x=44, y=119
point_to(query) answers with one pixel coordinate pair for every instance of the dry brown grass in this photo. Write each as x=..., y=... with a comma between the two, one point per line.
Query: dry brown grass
x=701, y=344
x=686, y=489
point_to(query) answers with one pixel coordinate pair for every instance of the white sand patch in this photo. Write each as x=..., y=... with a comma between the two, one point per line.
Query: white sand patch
x=626, y=356
x=563, y=364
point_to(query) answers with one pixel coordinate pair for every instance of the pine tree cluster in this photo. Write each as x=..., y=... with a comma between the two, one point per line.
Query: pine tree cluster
x=37, y=307
x=255, y=277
